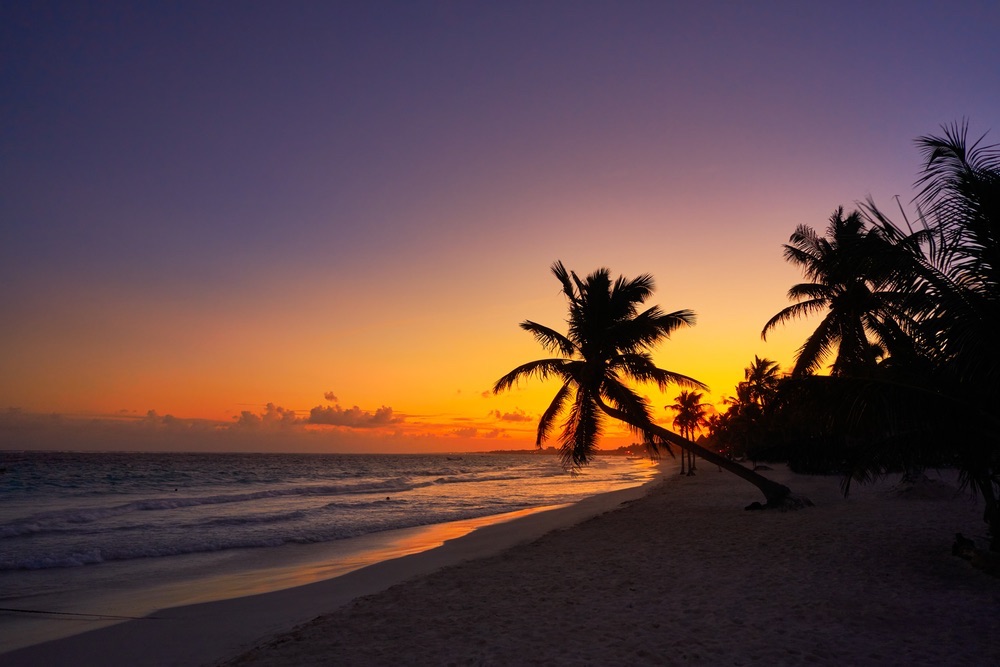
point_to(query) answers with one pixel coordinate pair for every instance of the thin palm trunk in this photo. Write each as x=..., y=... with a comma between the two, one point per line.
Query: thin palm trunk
x=991, y=515
x=774, y=493
x=683, y=460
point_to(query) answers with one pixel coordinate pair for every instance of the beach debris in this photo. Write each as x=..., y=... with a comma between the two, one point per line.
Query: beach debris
x=789, y=502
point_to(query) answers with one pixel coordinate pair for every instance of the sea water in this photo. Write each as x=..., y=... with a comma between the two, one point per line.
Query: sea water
x=88, y=536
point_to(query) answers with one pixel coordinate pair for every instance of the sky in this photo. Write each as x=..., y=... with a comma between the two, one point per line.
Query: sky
x=314, y=226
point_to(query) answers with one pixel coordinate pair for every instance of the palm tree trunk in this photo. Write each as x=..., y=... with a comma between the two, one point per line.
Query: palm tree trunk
x=991, y=515
x=683, y=461
x=776, y=495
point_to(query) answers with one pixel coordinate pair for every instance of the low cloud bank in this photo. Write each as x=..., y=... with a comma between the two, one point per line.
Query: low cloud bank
x=275, y=428
x=518, y=415
x=352, y=417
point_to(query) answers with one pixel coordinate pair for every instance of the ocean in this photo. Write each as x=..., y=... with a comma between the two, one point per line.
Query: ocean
x=86, y=538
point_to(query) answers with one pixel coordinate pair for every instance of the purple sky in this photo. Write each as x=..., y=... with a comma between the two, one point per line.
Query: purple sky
x=209, y=205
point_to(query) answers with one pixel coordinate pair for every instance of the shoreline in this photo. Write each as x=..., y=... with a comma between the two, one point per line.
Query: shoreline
x=684, y=575
x=676, y=573
x=207, y=632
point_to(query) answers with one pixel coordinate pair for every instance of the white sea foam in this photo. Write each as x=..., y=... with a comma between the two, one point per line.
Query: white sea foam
x=72, y=510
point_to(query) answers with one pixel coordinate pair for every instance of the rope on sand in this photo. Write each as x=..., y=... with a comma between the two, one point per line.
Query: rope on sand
x=96, y=617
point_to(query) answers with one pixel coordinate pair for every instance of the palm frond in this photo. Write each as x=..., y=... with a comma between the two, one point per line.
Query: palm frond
x=631, y=404
x=541, y=369
x=815, y=291
x=581, y=431
x=640, y=368
x=792, y=312
x=548, y=418
x=562, y=275
x=550, y=339
x=816, y=348
x=649, y=328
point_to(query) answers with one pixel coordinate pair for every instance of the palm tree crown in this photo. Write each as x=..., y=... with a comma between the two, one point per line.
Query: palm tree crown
x=761, y=379
x=849, y=277
x=961, y=196
x=691, y=413
x=606, y=348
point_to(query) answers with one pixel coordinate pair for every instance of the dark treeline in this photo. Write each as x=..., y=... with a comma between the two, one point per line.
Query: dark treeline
x=909, y=315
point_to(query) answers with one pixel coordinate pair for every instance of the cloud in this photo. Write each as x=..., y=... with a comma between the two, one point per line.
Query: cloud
x=248, y=432
x=330, y=396
x=518, y=415
x=352, y=417
x=248, y=419
x=274, y=416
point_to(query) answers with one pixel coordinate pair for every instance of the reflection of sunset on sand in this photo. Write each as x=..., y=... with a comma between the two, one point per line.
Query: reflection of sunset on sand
x=683, y=576
x=259, y=230
x=217, y=630
x=680, y=575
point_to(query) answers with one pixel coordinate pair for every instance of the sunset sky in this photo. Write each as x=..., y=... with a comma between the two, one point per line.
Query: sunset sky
x=209, y=207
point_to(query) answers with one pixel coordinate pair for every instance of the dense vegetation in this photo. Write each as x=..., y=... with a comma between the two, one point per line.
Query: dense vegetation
x=909, y=314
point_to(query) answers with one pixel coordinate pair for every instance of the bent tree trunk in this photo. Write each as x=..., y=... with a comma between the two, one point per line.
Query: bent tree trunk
x=777, y=495
x=991, y=515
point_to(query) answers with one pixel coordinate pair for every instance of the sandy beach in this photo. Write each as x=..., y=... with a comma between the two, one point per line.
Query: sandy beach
x=679, y=575
x=684, y=576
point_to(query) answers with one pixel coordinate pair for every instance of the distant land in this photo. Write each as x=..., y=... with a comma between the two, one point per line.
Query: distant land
x=624, y=450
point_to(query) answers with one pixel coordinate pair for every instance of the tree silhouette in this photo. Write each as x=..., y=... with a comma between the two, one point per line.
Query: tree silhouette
x=743, y=423
x=761, y=379
x=849, y=278
x=952, y=280
x=606, y=347
x=691, y=416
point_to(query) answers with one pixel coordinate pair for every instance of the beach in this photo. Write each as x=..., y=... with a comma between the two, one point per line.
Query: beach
x=675, y=573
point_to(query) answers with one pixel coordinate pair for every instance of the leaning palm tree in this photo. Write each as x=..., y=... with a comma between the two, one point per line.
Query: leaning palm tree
x=690, y=416
x=849, y=272
x=608, y=345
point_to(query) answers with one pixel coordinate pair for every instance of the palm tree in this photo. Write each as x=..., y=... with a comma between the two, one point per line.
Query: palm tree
x=954, y=283
x=681, y=425
x=608, y=344
x=849, y=274
x=961, y=193
x=744, y=424
x=761, y=379
x=691, y=416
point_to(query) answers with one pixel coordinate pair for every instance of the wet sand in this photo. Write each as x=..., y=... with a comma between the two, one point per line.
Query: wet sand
x=676, y=576
x=208, y=632
x=685, y=576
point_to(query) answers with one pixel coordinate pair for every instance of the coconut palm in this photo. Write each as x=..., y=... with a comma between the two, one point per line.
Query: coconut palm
x=745, y=422
x=607, y=346
x=961, y=194
x=761, y=378
x=849, y=275
x=691, y=416
x=954, y=282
